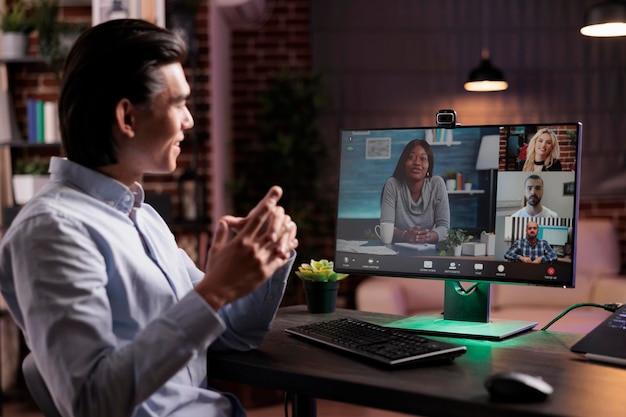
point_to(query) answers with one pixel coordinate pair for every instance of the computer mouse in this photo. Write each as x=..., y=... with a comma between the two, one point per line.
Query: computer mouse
x=517, y=387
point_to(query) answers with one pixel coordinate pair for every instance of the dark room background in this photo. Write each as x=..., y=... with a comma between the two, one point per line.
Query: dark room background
x=394, y=63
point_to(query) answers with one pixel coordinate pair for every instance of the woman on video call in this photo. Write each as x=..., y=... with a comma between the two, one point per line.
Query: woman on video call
x=543, y=153
x=415, y=201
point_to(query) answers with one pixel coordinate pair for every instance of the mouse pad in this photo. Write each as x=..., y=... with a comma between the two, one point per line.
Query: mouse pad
x=607, y=340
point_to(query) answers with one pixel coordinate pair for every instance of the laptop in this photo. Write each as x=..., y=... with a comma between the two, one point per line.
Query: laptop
x=607, y=342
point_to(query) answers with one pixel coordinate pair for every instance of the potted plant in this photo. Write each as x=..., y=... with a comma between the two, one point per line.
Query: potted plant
x=450, y=177
x=29, y=176
x=290, y=152
x=453, y=242
x=16, y=24
x=321, y=284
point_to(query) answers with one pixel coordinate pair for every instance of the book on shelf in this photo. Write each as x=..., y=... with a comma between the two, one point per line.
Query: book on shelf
x=9, y=130
x=42, y=121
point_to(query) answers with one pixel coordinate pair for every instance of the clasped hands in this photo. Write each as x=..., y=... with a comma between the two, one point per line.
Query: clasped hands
x=246, y=251
x=528, y=260
x=419, y=235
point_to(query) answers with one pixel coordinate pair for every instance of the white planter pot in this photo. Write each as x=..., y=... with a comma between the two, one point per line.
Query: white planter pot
x=451, y=185
x=467, y=186
x=26, y=186
x=14, y=45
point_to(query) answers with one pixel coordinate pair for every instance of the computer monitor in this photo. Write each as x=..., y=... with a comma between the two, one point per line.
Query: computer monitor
x=554, y=235
x=392, y=180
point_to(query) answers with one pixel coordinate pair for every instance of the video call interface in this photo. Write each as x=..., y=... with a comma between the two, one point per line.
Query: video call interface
x=503, y=188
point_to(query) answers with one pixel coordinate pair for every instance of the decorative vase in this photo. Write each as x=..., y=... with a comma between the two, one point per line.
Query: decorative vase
x=26, y=186
x=14, y=45
x=321, y=297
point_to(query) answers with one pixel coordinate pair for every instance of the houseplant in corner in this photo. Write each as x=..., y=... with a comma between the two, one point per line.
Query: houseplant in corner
x=16, y=24
x=321, y=284
x=453, y=242
x=291, y=152
x=55, y=36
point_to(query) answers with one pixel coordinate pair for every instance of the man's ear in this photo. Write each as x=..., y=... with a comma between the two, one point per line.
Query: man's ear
x=124, y=117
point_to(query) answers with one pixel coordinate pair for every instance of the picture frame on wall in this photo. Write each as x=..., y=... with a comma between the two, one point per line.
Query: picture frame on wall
x=152, y=11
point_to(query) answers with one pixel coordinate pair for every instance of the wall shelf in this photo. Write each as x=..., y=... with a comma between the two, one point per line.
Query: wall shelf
x=23, y=60
x=454, y=142
x=24, y=144
x=466, y=192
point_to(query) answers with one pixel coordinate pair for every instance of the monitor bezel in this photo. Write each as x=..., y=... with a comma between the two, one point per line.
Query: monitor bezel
x=531, y=270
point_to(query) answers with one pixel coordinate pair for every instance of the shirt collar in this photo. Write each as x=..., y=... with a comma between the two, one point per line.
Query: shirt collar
x=101, y=187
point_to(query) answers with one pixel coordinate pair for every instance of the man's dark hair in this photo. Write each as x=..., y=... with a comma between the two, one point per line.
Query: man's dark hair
x=533, y=177
x=111, y=61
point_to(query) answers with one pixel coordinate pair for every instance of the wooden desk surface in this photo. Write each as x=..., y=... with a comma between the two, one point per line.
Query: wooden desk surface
x=286, y=363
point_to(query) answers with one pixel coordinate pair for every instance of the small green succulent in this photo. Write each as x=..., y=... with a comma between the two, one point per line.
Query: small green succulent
x=321, y=271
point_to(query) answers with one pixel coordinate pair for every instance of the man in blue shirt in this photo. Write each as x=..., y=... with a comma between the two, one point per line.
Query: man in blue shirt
x=531, y=249
x=117, y=317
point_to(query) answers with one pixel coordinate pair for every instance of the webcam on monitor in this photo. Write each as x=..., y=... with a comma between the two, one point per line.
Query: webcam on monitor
x=446, y=118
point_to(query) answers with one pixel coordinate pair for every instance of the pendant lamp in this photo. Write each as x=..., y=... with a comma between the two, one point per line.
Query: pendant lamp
x=485, y=77
x=605, y=19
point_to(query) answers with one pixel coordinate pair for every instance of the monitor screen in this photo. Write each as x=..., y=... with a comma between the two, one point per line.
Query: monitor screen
x=460, y=204
x=554, y=235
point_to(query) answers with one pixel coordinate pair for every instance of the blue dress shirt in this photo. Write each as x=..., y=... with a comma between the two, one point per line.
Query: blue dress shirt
x=95, y=280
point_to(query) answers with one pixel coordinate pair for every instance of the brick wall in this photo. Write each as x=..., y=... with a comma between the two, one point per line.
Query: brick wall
x=282, y=41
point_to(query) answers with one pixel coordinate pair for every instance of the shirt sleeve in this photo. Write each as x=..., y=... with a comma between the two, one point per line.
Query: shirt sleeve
x=441, y=207
x=388, y=201
x=249, y=319
x=512, y=253
x=548, y=253
x=68, y=325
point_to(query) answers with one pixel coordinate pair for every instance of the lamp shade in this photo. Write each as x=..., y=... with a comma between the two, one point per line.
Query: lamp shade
x=605, y=19
x=485, y=77
x=488, y=153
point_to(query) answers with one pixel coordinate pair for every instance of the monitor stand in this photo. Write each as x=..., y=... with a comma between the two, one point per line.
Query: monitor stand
x=466, y=314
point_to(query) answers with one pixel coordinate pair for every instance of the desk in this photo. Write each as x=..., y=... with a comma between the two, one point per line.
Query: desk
x=286, y=363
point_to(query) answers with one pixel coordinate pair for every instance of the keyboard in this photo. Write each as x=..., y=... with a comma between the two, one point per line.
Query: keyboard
x=372, y=342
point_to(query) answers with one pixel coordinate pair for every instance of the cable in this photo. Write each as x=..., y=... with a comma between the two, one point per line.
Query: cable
x=286, y=403
x=608, y=307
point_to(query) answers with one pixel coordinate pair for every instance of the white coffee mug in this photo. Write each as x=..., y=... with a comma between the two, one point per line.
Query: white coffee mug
x=384, y=231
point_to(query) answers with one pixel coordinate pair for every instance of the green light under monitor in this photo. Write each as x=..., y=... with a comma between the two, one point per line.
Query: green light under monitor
x=436, y=325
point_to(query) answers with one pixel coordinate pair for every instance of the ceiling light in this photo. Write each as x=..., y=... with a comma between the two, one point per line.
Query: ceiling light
x=605, y=19
x=486, y=77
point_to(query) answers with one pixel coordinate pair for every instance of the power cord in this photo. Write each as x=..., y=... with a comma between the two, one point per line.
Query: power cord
x=286, y=403
x=608, y=307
